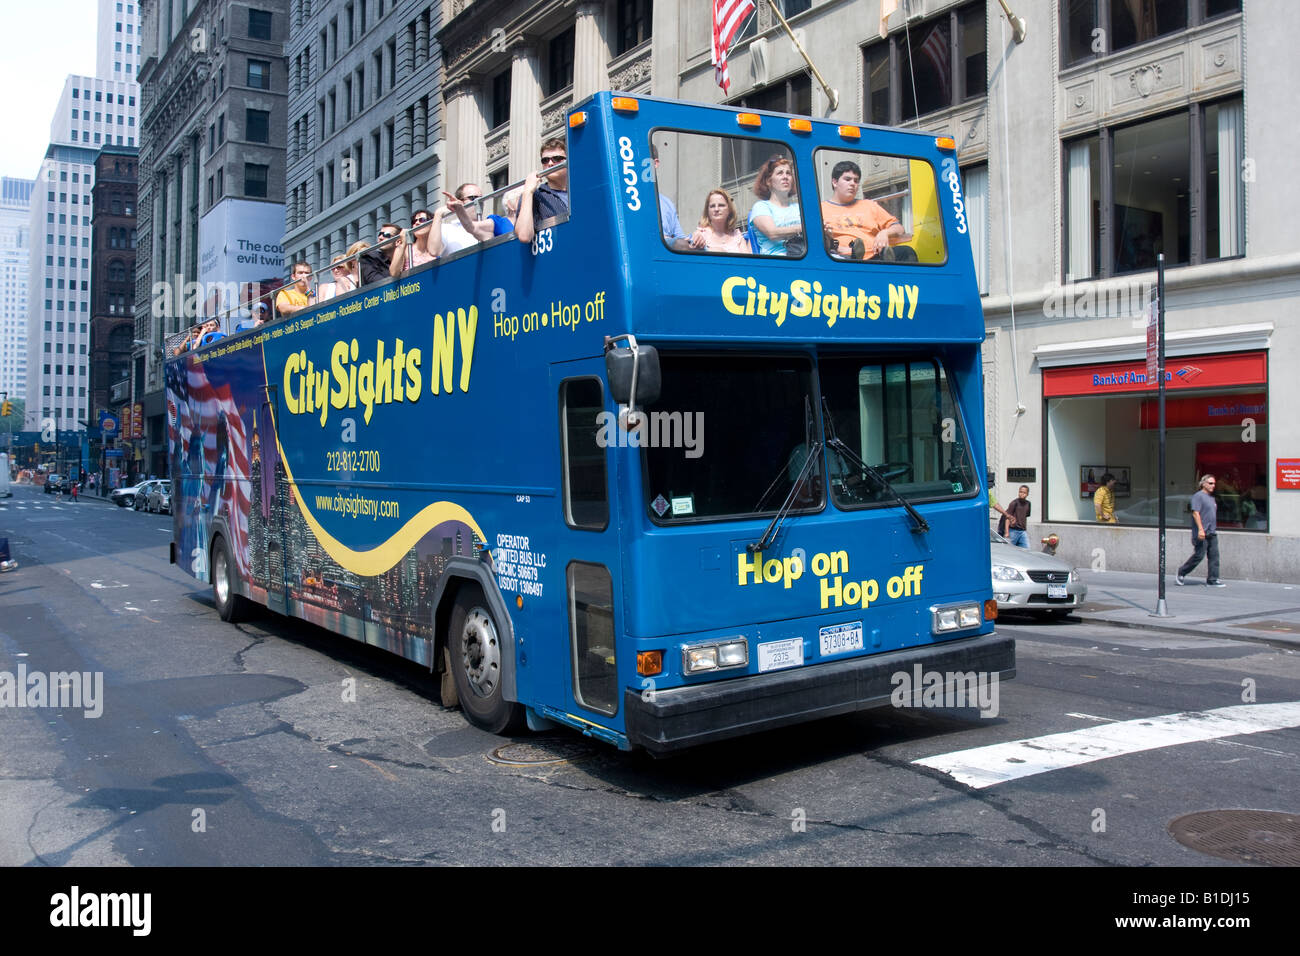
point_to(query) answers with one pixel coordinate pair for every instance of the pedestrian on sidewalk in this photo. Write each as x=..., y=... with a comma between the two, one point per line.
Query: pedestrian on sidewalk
x=1103, y=500
x=1015, y=519
x=1205, y=534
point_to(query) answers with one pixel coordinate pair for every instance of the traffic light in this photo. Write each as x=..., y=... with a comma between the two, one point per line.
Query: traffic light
x=6, y=408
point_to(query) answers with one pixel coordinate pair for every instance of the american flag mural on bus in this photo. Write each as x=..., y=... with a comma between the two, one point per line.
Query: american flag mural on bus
x=209, y=447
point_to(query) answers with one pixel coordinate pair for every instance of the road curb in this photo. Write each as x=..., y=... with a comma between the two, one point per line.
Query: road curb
x=1281, y=644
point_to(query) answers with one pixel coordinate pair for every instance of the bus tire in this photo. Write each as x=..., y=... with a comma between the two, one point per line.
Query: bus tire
x=230, y=604
x=476, y=650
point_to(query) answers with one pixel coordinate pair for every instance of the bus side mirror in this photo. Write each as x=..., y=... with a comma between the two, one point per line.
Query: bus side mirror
x=619, y=367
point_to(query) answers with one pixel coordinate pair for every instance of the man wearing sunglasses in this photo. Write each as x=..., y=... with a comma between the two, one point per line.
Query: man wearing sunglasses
x=471, y=225
x=377, y=262
x=543, y=200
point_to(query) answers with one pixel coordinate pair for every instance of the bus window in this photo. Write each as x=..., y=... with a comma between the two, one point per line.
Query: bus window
x=899, y=417
x=591, y=634
x=586, y=500
x=737, y=196
x=728, y=437
x=879, y=208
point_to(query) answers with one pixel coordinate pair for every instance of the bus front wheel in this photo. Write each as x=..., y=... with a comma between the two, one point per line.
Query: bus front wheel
x=230, y=604
x=477, y=660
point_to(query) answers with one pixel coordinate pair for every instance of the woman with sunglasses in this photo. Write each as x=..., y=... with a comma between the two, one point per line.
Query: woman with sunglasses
x=426, y=230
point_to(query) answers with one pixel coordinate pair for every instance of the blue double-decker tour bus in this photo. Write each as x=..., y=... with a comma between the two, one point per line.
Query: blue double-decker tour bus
x=663, y=484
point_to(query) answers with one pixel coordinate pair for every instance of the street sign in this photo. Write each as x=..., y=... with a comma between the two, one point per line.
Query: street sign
x=1153, y=345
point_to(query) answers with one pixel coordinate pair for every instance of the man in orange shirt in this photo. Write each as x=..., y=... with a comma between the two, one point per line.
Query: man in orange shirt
x=856, y=228
x=296, y=297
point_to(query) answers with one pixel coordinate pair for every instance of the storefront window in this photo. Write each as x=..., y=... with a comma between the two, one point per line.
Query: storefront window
x=1104, y=419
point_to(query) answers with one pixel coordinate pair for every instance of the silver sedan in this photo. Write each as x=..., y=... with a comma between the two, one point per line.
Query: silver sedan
x=1025, y=580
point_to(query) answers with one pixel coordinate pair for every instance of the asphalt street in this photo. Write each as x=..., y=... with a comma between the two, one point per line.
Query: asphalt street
x=221, y=744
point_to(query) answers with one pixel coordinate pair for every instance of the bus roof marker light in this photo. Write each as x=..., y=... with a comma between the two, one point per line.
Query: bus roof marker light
x=945, y=142
x=625, y=104
x=800, y=126
x=577, y=119
x=850, y=132
x=749, y=119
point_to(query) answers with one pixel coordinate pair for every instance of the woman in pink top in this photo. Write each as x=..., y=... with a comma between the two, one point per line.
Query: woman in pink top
x=719, y=229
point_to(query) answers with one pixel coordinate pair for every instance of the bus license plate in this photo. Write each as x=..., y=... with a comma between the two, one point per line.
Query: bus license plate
x=839, y=638
x=1056, y=591
x=775, y=655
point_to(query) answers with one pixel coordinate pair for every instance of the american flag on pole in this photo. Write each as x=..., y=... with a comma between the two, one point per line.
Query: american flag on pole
x=935, y=49
x=728, y=17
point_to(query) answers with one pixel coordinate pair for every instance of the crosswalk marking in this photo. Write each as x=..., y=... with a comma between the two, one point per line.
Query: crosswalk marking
x=982, y=767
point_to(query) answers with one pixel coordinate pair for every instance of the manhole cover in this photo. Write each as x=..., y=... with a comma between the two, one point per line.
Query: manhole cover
x=538, y=753
x=1275, y=626
x=1266, y=837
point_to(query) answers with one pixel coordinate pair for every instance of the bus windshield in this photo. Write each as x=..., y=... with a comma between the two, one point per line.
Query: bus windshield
x=728, y=437
x=898, y=416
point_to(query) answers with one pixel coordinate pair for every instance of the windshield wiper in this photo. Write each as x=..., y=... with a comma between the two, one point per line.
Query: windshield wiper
x=833, y=441
x=814, y=446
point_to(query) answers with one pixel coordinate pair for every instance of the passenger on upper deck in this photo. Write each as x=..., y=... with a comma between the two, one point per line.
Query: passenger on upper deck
x=776, y=216
x=375, y=263
x=296, y=297
x=207, y=327
x=719, y=229
x=426, y=230
x=859, y=228
x=670, y=225
x=544, y=200
x=470, y=225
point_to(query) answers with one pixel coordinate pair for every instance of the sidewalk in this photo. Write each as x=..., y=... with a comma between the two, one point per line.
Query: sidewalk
x=1247, y=610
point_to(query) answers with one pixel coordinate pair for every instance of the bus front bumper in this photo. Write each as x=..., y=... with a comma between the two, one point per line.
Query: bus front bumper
x=682, y=717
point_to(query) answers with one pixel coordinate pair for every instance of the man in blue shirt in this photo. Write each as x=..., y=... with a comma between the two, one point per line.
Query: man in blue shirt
x=1205, y=534
x=671, y=226
x=547, y=198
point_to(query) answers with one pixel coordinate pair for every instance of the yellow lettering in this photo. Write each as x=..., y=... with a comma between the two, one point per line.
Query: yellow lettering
x=754, y=567
x=728, y=302
x=291, y=399
x=799, y=290
x=468, y=329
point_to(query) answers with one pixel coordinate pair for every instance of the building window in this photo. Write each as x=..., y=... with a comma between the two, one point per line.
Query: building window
x=500, y=99
x=257, y=126
x=255, y=180
x=1135, y=185
x=559, y=69
x=633, y=28
x=1104, y=419
x=1093, y=28
x=259, y=24
x=933, y=65
x=259, y=74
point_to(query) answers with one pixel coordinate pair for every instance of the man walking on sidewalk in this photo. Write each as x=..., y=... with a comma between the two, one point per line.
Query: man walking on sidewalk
x=1205, y=534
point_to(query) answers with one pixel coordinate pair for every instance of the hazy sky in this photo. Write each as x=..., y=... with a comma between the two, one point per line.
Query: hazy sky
x=44, y=41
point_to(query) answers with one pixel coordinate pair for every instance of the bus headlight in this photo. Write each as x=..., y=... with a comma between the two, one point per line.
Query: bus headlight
x=733, y=654
x=954, y=617
x=700, y=658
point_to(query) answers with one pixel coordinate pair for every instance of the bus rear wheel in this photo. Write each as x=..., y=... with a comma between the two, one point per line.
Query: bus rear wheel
x=477, y=662
x=230, y=604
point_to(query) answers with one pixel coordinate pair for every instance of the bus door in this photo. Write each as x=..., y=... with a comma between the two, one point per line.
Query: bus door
x=589, y=542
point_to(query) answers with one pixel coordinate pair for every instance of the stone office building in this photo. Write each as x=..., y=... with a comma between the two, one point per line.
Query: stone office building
x=112, y=278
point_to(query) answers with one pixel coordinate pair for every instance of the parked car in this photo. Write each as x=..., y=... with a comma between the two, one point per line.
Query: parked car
x=54, y=484
x=1025, y=580
x=159, y=498
x=126, y=497
x=142, y=496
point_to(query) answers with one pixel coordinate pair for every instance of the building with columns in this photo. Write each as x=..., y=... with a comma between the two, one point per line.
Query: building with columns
x=213, y=88
x=514, y=67
x=365, y=135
